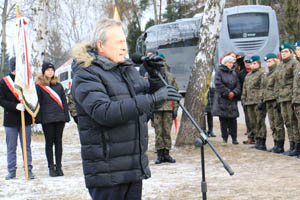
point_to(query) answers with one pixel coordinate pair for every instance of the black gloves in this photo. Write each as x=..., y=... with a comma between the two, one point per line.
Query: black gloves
x=261, y=106
x=174, y=114
x=166, y=93
x=153, y=63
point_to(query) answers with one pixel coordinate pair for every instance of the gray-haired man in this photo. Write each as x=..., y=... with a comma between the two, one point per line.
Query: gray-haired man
x=113, y=101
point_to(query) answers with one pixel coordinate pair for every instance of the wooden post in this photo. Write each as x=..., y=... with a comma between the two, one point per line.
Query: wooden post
x=24, y=144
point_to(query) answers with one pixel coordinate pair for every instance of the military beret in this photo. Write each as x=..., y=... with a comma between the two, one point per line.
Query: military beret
x=254, y=58
x=297, y=44
x=286, y=46
x=161, y=55
x=269, y=56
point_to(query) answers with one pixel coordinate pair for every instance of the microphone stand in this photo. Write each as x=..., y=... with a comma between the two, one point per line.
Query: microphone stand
x=200, y=142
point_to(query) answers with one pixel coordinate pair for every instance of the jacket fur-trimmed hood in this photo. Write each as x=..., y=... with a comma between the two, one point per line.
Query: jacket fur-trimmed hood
x=41, y=79
x=81, y=55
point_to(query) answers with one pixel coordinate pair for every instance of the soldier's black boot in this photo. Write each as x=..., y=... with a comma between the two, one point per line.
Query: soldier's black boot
x=261, y=145
x=167, y=157
x=296, y=150
x=11, y=175
x=257, y=143
x=275, y=146
x=59, y=171
x=292, y=147
x=52, y=171
x=280, y=147
x=160, y=156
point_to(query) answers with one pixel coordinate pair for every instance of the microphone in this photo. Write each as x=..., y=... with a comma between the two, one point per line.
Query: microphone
x=138, y=58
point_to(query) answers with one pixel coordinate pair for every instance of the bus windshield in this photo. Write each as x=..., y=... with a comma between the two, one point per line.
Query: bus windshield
x=248, y=25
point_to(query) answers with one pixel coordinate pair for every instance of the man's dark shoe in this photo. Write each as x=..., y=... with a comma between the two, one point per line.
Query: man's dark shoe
x=211, y=134
x=235, y=142
x=59, y=171
x=11, y=175
x=52, y=171
x=160, y=156
x=30, y=175
x=167, y=157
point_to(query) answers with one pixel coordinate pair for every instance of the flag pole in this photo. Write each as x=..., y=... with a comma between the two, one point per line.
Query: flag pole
x=24, y=143
x=23, y=123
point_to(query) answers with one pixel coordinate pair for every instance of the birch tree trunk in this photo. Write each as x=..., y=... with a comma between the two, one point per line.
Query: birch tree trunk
x=3, y=41
x=202, y=68
x=40, y=34
x=155, y=12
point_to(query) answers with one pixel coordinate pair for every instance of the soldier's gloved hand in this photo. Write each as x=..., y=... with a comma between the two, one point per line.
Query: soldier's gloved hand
x=261, y=106
x=20, y=107
x=277, y=107
x=153, y=63
x=166, y=93
x=174, y=114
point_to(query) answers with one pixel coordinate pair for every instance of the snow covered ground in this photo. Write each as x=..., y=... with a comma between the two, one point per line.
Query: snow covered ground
x=258, y=175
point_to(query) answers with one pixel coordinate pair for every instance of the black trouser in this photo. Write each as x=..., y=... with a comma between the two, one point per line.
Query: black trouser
x=209, y=121
x=126, y=191
x=53, y=135
x=228, y=127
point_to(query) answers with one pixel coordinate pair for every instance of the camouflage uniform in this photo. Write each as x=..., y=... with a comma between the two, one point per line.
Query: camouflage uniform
x=162, y=120
x=296, y=104
x=284, y=86
x=71, y=106
x=252, y=96
x=270, y=95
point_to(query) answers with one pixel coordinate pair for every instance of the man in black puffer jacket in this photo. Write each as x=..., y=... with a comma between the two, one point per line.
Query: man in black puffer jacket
x=112, y=102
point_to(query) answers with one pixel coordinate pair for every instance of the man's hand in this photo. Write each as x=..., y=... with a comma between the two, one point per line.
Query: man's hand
x=153, y=63
x=20, y=107
x=231, y=96
x=166, y=93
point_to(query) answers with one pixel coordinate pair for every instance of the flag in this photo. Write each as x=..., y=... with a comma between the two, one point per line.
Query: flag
x=24, y=84
x=116, y=15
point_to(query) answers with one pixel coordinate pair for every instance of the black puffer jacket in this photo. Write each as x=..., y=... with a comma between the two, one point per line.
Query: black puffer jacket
x=226, y=81
x=12, y=116
x=112, y=111
x=50, y=111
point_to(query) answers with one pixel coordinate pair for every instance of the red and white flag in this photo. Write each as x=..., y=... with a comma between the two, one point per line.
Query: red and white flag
x=24, y=84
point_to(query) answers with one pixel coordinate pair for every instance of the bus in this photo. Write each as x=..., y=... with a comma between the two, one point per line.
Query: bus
x=250, y=29
x=65, y=74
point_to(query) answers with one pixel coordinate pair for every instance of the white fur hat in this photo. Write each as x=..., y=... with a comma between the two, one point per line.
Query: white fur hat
x=227, y=59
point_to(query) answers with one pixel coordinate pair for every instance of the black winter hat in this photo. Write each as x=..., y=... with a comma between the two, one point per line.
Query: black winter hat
x=47, y=65
x=12, y=64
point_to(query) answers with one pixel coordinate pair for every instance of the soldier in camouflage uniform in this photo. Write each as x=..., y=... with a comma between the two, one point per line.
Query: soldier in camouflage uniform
x=297, y=50
x=270, y=95
x=162, y=122
x=252, y=97
x=296, y=99
x=71, y=106
x=284, y=84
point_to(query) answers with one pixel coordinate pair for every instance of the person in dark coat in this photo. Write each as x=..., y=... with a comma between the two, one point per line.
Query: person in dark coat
x=10, y=101
x=208, y=110
x=226, y=96
x=53, y=115
x=112, y=101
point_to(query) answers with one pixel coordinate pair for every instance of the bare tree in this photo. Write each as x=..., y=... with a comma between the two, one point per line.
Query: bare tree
x=40, y=34
x=3, y=41
x=202, y=68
